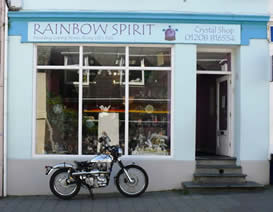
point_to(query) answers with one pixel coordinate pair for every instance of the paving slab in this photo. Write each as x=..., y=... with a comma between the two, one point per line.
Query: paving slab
x=171, y=201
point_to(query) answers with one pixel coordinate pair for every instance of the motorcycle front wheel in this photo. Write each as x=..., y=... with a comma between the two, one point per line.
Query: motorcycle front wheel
x=59, y=186
x=138, y=186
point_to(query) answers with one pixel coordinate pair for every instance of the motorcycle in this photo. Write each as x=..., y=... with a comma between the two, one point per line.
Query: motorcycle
x=67, y=180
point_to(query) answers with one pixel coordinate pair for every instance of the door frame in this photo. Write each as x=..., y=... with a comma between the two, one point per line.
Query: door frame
x=231, y=75
x=218, y=81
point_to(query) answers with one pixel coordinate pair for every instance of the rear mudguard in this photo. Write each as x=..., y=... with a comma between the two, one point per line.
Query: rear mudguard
x=50, y=169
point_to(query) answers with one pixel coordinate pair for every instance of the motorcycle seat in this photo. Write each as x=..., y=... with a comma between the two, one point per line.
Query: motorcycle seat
x=81, y=163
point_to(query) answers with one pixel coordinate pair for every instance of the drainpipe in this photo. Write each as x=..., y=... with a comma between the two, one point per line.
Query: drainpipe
x=5, y=100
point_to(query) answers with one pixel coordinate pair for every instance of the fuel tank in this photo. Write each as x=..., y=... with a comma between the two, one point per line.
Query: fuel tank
x=103, y=158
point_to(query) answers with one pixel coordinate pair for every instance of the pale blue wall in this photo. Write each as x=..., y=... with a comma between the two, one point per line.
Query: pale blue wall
x=184, y=102
x=237, y=96
x=252, y=101
x=20, y=69
x=196, y=6
x=20, y=88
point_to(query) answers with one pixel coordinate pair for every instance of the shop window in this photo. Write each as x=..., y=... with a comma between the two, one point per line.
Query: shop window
x=150, y=57
x=135, y=114
x=56, y=114
x=103, y=110
x=149, y=114
x=55, y=55
x=105, y=56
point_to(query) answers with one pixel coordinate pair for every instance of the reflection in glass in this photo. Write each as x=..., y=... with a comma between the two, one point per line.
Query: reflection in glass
x=213, y=61
x=103, y=110
x=58, y=55
x=223, y=105
x=104, y=56
x=149, y=114
x=103, y=99
x=150, y=57
x=56, y=113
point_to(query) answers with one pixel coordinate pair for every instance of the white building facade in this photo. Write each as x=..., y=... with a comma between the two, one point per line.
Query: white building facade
x=166, y=81
x=270, y=24
x=3, y=32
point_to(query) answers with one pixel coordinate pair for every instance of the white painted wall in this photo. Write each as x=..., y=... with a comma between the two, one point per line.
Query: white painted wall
x=20, y=87
x=20, y=69
x=252, y=101
x=271, y=121
x=185, y=102
x=270, y=3
x=33, y=181
x=253, y=7
x=271, y=84
x=251, y=117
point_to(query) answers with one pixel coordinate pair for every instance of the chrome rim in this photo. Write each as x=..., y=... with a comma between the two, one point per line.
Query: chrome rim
x=135, y=187
x=61, y=186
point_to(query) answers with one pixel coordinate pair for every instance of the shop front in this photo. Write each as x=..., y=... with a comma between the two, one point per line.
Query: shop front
x=165, y=87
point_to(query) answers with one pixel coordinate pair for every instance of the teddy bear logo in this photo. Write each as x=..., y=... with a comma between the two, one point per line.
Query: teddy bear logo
x=170, y=34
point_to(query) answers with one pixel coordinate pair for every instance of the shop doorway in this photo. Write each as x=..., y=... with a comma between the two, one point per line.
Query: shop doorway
x=213, y=114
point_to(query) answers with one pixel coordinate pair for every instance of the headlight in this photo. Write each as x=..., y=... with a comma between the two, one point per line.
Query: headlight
x=120, y=152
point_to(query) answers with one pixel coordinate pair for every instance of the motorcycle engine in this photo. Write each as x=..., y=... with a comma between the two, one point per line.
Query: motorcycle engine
x=102, y=166
x=99, y=180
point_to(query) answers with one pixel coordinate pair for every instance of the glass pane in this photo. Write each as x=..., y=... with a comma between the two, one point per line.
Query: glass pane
x=58, y=55
x=136, y=77
x=150, y=57
x=103, y=110
x=56, y=113
x=213, y=61
x=150, y=114
x=223, y=105
x=103, y=56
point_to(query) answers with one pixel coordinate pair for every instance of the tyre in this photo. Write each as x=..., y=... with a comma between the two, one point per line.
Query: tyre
x=59, y=187
x=139, y=184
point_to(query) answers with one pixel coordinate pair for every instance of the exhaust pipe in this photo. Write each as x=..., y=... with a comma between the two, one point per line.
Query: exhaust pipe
x=91, y=173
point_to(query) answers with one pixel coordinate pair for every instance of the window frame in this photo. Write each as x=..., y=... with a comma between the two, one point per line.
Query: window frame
x=81, y=67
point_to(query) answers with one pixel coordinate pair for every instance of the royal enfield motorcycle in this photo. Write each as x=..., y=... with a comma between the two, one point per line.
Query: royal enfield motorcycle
x=67, y=179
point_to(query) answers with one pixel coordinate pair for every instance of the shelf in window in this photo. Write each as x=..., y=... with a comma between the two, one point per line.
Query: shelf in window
x=130, y=99
x=103, y=99
x=122, y=111
x=151, y=100
x=149, y=122
x=139, y=122
x=93, y=120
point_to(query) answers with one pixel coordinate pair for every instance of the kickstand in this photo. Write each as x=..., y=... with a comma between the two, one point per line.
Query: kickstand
x=91, y=193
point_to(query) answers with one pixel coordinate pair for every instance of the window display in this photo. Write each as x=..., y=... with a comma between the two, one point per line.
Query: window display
x=123, y=92
x=56, y=114
x=149, y=114
x=103, y=110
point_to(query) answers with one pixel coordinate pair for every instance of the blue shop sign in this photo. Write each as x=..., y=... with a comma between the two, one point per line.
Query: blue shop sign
x=123, y=32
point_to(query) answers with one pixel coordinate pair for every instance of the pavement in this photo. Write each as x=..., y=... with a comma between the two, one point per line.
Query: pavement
x=165, y=201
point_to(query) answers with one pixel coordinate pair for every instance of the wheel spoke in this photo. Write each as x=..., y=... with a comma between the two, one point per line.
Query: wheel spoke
x=61, y=186
x=138, y=184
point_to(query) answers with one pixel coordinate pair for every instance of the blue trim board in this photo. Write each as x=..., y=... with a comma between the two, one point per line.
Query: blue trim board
x=253, y=31
x=251, y=26
x=163, y=17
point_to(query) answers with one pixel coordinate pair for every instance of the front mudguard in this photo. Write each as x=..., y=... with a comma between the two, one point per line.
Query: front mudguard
x=50, y=169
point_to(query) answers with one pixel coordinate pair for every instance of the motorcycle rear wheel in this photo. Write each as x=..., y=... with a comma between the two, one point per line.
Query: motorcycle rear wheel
x=139, y=184
x=59, y=187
